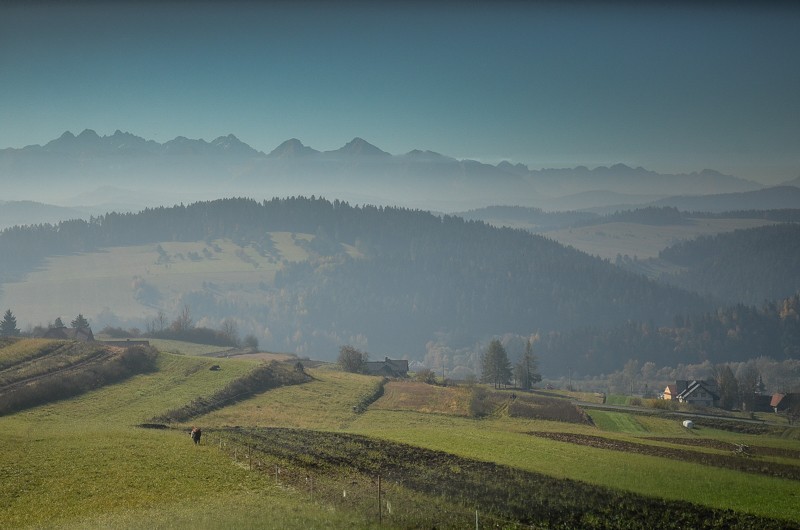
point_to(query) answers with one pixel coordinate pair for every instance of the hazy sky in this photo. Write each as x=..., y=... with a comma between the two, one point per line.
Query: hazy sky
x=676, y=88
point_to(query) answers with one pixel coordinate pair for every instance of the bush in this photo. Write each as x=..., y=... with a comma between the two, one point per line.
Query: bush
x=480, y=404
x=117, y=333
x=425, y=376
x=661, y=404
x=196, y=336
x=351, y=360
x=374, y=395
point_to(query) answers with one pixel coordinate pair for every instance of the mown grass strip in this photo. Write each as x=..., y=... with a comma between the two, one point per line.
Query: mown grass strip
x=616, y=421
x=738, y=463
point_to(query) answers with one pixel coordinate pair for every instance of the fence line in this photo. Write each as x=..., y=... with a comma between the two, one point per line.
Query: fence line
x=345, y=492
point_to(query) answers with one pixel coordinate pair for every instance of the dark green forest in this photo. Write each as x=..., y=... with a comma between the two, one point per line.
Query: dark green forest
x=744, y=266
x=421, y=277
x=734, y=334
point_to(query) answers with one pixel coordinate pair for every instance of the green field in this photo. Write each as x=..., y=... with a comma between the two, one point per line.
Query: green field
x=617, y=422
x=120, y=278
x=84, y=463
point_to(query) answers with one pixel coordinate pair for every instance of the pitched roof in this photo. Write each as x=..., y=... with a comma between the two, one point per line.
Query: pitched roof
x=695, y=386
x=390, y=367
x=776, y=399
x=783, y=401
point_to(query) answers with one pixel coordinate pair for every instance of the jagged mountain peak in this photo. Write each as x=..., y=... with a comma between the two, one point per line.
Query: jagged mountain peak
x=360, y=147
x=89, y=134
x=232, y=145
x=292, y=148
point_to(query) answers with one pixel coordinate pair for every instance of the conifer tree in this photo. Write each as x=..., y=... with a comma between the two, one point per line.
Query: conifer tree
x=80, y=322
x=525, y=370
x=496, y=366
x=8, y=326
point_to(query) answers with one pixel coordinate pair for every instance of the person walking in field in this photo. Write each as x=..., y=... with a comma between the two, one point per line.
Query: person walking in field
x=196, y=432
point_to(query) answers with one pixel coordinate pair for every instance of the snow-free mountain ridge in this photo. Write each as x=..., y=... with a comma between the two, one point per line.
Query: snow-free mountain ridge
x=358, y=171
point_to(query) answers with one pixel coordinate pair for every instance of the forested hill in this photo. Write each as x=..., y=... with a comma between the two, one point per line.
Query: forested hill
x=419, y=276
x=744, y=266
x=734, y=334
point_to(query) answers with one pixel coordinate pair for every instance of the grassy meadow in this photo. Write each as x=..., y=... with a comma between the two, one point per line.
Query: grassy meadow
x=116, y=277
x=84, y=462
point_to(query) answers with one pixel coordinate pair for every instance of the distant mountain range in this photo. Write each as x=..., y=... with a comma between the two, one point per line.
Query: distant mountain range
x=358, y=172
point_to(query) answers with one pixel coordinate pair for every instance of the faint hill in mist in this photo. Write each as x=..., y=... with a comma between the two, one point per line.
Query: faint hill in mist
x=794, y=182
x=779, y=197
x=14, y=213
x=532, y=219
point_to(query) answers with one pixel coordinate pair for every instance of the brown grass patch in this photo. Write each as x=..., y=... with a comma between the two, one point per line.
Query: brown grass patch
x=422, y=397
x=264, y=356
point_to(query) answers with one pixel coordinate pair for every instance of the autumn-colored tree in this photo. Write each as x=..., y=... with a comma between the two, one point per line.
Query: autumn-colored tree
x=351, y=359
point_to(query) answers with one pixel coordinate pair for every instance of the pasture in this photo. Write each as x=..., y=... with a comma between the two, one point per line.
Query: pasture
x=84, y=463
x=138, y=280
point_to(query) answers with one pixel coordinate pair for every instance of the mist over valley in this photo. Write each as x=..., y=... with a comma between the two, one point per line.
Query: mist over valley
x=306, y=275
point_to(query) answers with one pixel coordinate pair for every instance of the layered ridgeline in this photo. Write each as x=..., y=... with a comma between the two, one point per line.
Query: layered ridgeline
x=149, y=171
x=387, y=279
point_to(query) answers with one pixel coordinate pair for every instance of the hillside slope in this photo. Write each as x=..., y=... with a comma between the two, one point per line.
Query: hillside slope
x=390, y=279
x=744, y=266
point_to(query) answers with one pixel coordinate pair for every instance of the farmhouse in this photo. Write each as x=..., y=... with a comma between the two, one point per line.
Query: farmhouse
x=702, y=393
x=387, y=367
x=782, y=402
x=65, y=333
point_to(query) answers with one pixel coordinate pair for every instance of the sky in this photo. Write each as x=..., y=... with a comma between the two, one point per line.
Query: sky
x=674, y=88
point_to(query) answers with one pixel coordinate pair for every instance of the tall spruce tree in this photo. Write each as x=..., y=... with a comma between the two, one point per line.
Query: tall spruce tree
x=525, y=371
x=496, y=367
x=8, y=326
